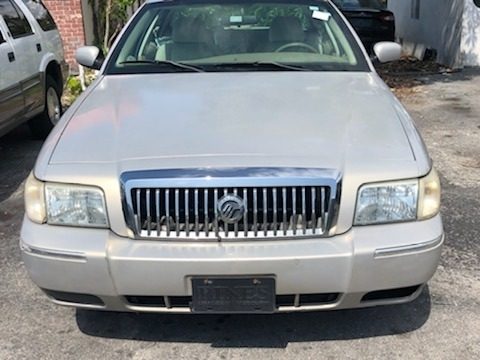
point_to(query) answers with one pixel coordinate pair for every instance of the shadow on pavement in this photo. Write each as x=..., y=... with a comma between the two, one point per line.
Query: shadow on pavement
x=260, y=331
x=18, y=153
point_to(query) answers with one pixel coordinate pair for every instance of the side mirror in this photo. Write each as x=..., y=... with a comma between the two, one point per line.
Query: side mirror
x=90, y=57
x=387, y=51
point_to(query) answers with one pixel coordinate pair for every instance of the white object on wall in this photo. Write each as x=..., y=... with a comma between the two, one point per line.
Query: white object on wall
x=470, y=44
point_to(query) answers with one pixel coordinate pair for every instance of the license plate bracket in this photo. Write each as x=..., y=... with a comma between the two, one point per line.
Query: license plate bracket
x=233, y=295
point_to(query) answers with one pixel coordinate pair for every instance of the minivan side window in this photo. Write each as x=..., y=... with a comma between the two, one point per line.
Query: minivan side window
x=15, y=19
x=41, y=14
x=2, y=39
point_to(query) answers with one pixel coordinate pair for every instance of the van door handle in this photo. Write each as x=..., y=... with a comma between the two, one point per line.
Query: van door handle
x=11, y=56
x=39, y=47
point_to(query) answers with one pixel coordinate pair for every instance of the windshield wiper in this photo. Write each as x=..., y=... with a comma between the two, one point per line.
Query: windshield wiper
x=261, y=65
x=280, y=65
x=171, y=64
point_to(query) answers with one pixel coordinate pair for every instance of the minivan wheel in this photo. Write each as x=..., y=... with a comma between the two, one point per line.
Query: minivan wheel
x=41, y=125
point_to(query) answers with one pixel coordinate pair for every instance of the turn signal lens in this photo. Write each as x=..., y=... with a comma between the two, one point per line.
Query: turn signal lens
x=429, y=196
x=35, y=200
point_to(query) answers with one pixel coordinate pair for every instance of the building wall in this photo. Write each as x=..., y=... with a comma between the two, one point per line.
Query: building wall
x=68, y=16
x=470, y=44
x=438, y=26
x=88, y=22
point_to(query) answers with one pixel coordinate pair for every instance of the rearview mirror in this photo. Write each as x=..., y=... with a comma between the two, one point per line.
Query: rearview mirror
x=387, y=51
x=90, y=57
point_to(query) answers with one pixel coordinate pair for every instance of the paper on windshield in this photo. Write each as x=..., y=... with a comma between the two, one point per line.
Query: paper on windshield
x=321, y=15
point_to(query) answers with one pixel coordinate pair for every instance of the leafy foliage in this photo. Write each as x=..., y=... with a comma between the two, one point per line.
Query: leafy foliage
x=215, y=15
x=109, y=18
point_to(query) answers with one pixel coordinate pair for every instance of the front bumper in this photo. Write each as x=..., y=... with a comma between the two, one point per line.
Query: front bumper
x=113, y=269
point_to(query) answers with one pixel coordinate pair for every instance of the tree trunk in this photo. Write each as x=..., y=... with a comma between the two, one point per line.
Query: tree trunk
x=108, y=10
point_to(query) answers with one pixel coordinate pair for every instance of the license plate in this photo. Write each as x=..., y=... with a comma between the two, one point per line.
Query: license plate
x=233, y=295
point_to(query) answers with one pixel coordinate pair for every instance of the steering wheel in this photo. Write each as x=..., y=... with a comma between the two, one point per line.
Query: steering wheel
x=297, y=44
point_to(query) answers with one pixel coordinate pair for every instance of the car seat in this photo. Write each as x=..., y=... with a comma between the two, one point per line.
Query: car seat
x=285, y=30
x=190, y=40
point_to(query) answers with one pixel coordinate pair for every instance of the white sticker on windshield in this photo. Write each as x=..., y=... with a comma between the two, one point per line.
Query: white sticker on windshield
x=314, y=8
x=321, y=15
x=235, y=19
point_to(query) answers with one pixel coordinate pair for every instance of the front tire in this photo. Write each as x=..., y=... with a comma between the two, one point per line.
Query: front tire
x=41, y=125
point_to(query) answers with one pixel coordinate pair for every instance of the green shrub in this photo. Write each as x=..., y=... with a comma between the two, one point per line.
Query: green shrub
x=74, y=86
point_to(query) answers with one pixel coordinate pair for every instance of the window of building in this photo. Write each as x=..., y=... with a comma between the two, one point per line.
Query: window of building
x=41, y=14
x=15, y=19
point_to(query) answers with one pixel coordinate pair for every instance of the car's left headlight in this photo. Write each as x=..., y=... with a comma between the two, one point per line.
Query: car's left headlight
x=65, y=204
x=398, y=201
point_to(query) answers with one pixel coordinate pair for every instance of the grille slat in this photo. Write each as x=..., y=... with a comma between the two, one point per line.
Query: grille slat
x=167, y=210
x=157, y=210
x=187, y=212
x=197, y=218
x=193, y=213
x=294, y=209
x=274, y=191
x=235, y=226
x=255, y=212
x=245, y=217
x=225, y=225
x=149, y=216
x=284, y=211
x=314, y=214
x=304, y=211
x=215, y=203
x=138, y=214
x=322, y=217
x=265, y=211
x=205, y=212
x=177, y=212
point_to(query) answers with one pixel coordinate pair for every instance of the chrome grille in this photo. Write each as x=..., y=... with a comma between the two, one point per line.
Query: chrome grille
x=155, y=210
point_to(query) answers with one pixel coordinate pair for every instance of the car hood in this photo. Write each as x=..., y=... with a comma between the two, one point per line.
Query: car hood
x=311, y=119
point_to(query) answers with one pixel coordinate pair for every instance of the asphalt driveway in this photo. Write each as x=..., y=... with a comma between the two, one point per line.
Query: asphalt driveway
x=444, y=323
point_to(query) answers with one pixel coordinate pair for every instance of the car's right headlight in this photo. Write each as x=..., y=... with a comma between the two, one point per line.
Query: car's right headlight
x=65, y=204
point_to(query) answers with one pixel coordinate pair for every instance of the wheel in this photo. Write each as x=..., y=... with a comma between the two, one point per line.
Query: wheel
x=41, y=125
x=297, y=44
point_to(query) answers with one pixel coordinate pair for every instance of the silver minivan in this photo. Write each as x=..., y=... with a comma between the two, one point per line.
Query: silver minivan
x=32, y=67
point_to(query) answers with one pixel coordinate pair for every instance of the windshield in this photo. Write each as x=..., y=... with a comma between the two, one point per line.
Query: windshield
x=237, y=35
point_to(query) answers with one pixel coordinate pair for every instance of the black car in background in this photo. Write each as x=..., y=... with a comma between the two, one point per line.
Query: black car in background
x=370, y=19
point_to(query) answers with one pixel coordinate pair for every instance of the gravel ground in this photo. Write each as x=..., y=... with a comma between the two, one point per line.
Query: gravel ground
x=444, y=323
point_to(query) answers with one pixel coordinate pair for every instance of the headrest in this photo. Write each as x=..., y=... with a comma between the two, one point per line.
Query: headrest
x=190, y=30
x=286, y=29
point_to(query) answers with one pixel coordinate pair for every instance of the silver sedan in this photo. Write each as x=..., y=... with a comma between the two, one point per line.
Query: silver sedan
x=234, y=157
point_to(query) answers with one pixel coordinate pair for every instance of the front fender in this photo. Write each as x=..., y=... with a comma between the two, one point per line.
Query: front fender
x=49, y=58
